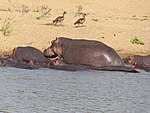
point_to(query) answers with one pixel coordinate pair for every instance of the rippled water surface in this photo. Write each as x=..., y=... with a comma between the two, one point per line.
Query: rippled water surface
x=53, y=91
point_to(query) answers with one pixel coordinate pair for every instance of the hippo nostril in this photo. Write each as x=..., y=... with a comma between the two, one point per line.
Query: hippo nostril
x=49, y=53
x=134, y=63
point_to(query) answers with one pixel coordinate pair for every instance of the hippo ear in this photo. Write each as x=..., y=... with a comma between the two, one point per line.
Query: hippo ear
x=52, y=41
x=14, y=50
x=56, y=38
x=131, y=57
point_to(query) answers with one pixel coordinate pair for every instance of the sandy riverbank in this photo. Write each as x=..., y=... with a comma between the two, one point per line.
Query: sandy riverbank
x=114, y=22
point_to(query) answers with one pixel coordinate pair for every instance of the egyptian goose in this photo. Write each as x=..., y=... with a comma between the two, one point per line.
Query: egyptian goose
x=59, y=19
x=80, y=20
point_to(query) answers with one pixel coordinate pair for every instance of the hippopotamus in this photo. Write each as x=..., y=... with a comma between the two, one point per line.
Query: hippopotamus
x=8, y=62
x=27, y=58
x=140, y=62
x=32, y=56
x=86, y=52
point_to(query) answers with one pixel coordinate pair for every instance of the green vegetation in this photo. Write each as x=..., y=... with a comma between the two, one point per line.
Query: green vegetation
x=6, y=10
x=136, y=40
x=37, y=10
x=6, y=27
x=95, y=19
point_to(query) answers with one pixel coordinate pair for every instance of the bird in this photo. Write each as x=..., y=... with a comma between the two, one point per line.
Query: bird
x=59, y=19
x=80, y=20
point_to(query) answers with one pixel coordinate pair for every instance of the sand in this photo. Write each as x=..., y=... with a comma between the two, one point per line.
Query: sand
x=113, y=22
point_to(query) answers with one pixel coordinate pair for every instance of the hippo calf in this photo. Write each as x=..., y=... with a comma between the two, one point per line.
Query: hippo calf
x=140, y=62
x=32, y=56
x=6, y=61
x=85, y=52
x=31, y=60
x=27, y=58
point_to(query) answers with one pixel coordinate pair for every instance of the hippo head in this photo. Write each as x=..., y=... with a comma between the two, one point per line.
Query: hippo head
x=131, y=60
x=54, y=50
x=49, y=53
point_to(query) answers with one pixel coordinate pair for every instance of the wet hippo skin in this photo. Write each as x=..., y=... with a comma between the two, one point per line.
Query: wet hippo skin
x=85, y=52
x=10, y=63
x=28, y=53
x=27, y=58
x=32, y=58
x=31, y=55
x=140, y=62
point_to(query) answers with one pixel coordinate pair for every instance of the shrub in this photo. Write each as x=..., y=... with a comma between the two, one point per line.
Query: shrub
x=36, y=10
x=136, y=40
x=6, y=27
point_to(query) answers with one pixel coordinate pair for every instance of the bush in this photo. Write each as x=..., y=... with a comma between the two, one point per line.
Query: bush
x=36, y=10
x=136, y=40
x=6, y=27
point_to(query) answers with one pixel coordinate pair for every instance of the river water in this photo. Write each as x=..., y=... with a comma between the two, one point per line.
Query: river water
x=56, y=91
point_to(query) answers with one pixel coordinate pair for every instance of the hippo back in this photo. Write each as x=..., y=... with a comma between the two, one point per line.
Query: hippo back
x=92, y=53
x=28, y=53
x=142, y=59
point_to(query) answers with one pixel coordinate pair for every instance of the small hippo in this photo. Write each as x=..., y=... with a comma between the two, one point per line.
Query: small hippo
x=142, y=66
x=6, y=61
x=31, y=62
x=9, y=63
x=84, y=52
x=137, y=61
x=32, y=56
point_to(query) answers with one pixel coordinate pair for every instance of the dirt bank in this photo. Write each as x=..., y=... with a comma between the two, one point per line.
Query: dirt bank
x=114, y=22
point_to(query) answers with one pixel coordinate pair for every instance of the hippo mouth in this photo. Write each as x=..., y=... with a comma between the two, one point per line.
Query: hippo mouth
x=49, y=53
x=52, y=56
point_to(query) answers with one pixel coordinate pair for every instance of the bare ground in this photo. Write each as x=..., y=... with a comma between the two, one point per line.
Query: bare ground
x=114, y=22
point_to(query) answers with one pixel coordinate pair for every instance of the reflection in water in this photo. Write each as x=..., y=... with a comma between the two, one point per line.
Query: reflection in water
x=53, y=91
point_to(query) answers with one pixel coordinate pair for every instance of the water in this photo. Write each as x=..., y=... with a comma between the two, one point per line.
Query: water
x=53, y=91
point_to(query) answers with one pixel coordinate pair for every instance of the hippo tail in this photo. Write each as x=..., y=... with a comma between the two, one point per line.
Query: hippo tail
x=116, y=68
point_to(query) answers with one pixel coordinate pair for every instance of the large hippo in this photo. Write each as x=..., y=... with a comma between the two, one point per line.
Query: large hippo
x=137, y=61
x=85, y=52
